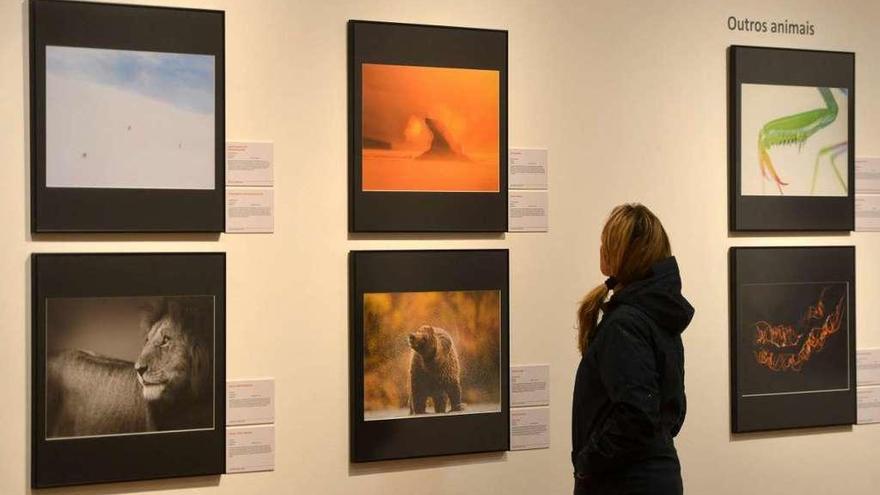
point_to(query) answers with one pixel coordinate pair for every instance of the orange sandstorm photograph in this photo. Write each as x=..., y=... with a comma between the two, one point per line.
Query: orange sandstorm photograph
x=430, y=129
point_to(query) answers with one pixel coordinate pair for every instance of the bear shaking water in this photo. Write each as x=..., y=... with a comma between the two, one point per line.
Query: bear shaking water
x=434, y=371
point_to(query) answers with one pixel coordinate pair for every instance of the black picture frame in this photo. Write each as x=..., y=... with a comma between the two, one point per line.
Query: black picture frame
x=420, y=271
x=123, y=27
x=428, y=46
x=794, y=67
x=808, y=387
x=65, y=460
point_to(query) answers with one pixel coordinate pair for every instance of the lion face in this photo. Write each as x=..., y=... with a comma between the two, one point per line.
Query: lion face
x=165, y=364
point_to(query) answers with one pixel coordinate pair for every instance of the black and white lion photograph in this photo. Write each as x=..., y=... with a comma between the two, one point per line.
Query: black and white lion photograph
x=129, y=365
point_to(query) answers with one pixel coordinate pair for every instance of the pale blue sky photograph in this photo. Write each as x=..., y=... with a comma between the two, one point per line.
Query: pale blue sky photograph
x=184, y=80
x=129, y=119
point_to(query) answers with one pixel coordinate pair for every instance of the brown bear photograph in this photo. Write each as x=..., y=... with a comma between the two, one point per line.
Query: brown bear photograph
x=128, y=365
x=431, y=353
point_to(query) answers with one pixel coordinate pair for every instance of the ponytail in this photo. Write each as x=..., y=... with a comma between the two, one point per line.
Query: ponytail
x=588, y=315
x=633, y=240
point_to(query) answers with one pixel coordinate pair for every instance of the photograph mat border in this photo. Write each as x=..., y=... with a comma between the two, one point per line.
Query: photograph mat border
x=848, y=341
x=45, y=425
x=121, y=459
x=369, y=441
x=786, y=213
x=202, y=26
x=368, y=211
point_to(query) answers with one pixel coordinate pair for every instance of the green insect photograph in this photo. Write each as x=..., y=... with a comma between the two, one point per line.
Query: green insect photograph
x=794, y=141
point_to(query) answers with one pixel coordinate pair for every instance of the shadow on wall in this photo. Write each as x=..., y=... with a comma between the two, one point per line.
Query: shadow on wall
x=139, y=486
x=124, y=237
x=384, y=467
x=794, y=432
x=425, y=236
x=26, y=119
x=783, y=233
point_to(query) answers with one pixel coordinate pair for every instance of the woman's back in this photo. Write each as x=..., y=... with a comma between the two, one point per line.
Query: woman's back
x=629, y=400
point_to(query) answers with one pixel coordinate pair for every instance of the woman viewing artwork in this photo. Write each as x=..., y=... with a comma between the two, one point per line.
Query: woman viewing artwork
x=629, y=400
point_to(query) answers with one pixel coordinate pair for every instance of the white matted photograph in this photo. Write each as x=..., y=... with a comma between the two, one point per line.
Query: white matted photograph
x=125, y=119
x=794, y=140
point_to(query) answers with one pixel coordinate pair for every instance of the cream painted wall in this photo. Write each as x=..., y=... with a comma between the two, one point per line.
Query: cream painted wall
x=630, y=99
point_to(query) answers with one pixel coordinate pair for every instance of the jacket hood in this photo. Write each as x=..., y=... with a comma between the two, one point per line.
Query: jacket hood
x=659, y=296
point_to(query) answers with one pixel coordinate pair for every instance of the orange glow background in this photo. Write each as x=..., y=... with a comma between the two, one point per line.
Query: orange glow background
x=472, y=319
x=397, y=100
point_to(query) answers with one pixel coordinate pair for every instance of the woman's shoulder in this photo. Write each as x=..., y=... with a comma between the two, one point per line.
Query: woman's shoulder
x=627, y=317
x=625, y=314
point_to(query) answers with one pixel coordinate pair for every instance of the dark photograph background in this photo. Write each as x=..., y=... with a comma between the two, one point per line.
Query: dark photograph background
x=778, y=304
x=94, y=346
x=109, y=326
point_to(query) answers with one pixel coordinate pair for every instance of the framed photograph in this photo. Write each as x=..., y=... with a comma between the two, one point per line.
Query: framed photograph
x=429, y=353
x=127, y=118
x=427, y=128
x=792, y=337
x=792, y=139
x=129, y=367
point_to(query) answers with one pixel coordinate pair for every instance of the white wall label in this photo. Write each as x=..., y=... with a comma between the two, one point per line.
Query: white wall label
x=867, y=175
x=868, y=400
x=528, y=168
x=527, y=211
x=530, y=428
x=249, y=164
x=530, y=385
x=868, y=212
x=250, y=402
x=250, y=448
x=868, y=366
x=867, y=194
x=250, y=210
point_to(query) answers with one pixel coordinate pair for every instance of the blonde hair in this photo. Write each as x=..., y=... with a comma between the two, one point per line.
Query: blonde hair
x=633, y=240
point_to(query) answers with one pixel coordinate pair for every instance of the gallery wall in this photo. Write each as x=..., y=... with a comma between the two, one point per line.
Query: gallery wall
x=630, y=100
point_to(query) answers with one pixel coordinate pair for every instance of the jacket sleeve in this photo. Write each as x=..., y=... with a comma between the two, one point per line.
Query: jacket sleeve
x=629, y=374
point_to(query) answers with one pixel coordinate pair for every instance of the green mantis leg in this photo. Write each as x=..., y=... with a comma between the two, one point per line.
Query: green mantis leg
x=834, y=151
x=767, y=168
x=793, y=129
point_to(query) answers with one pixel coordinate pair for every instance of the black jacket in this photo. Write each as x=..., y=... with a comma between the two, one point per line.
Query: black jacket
x=629, y=399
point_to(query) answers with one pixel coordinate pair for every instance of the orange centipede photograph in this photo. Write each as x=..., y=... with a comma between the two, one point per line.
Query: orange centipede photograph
x=797, y=336
x=430, y=129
